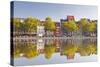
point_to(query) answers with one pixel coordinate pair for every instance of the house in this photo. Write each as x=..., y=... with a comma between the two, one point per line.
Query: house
x=40, y=29
x=70, y=18
x=57, y=32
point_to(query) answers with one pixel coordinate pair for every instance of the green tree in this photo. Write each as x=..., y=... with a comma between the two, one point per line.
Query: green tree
x=91, y=27
x=30, y=24
x=49, y=24
x=83, y=24
x=16, y=24
x=70, y=26
x=87, y=27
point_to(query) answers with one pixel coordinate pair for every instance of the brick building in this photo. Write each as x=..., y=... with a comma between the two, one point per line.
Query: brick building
x=58, y=29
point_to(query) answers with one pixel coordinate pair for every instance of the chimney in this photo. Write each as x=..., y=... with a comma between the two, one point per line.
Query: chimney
x=70, y=18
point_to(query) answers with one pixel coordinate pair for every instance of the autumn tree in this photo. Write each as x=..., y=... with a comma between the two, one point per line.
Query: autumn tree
x=69, y=26
x=30, y=24
x=91, y=27
x=16, y=24
x=86, y=26
x=49, y=24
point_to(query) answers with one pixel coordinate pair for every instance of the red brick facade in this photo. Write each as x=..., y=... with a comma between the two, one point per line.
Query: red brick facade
x=70, y=18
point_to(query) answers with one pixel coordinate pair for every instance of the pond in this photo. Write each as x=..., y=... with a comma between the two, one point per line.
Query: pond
x=54, y=51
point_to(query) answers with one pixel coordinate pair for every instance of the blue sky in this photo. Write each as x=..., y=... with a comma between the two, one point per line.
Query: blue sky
x=55, y=11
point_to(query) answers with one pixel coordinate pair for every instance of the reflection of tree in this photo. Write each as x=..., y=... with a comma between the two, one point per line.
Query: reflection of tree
x=69, y=50
x=88, y=49
x=16, y=52
x=31, y=51
x=28, y=50
x=49, y=50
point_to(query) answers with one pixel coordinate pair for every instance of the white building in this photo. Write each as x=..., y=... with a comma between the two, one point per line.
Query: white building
x=40, y=31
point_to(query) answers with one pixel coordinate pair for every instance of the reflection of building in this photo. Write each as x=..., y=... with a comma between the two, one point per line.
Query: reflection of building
x=57, y=43
x=70, y=56
x=40, y=45
x=58, y=29
x=49, y=33
x=49, y=41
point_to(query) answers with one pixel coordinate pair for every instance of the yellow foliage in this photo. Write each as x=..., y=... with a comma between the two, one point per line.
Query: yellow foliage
x=31, y=23
x=49, y=24
x=91, y=27
x=71, y=26
x=49, y=50
x=31, y=51
x=88, y=49
x=69, y=49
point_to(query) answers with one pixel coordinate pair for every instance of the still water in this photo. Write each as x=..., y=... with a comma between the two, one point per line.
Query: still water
x=51, y=51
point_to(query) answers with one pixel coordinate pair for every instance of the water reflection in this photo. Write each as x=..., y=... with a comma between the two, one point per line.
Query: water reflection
x=32, y=48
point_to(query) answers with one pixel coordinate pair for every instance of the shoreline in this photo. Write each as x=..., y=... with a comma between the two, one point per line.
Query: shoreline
x=28, y=38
